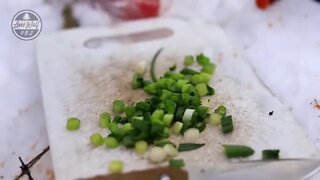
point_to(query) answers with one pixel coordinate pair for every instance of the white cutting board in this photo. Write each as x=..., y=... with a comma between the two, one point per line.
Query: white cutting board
x=82, y=81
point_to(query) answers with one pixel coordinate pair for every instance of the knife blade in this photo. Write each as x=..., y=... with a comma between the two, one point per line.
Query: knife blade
x=291, y=169
x=284, y=169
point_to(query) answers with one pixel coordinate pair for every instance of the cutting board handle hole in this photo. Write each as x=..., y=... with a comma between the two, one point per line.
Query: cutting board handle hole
x=130, y=38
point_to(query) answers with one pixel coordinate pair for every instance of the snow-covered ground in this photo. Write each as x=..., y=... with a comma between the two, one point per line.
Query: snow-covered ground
x=282, y=44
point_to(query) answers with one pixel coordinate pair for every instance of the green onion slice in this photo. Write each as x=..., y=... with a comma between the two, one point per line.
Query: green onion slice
x=176, y=163
x=270, y=154
x=187, y=116
x=153, y=62
x=227, y=124
x=73, y=124
x=233, y=151
x=189, y=146
x=188, y=60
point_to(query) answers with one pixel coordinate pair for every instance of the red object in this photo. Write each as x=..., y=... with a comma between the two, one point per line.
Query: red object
x=148, y=9
x=131, y=9
x=263, y=4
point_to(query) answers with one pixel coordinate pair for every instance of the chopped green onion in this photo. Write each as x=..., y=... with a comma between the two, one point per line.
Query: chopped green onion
x=179, y=113
x=209, y=68
x=140, y=124
x=211, y=91
x=201, y=78
x=128, y=141
x=73, y=124
x=138, y=113
x=227, y=124
x=173, y=67
x=188, y=60
x=161, y=105
x=191, y=135
x=177, y=126
x=162, y=142
x=215, y=119
x=201, y=89
x=129, y=111
x=143, y=106
x=189, y=146
x=187, y=88
x=113, y=127
x=221, y=110
x=166, y=132
x=203, y=60
x=226, y=120
x=167, y=119
x=127, y=127
x=96, y=139
x=165, y=94
x=104, y=120
x=270, y=154
x=170, y=106
x=170, y=83
x=187, y=115
x=157, y=129
x=111, y=142
x=172, y=75
x=118, y=106
x=140, y=67
x=181, y=82
x=137, y=81
x=233, y=151
x=153, y=62
x=162, y=83
x=176, y=163
x=157, y=116
x=200, y=126
x=174, y=102
x=170, y=150
x=138, y=118
x=115, y=166
x=150, y=88
x=140, y=147
x=116, y=119
x=157, y=155
x=188, y=71
x=228, y=128
x=185, y=99
x=202, y=110
x=195, y=101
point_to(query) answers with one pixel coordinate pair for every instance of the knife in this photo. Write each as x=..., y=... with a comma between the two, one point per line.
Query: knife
x=291, y=169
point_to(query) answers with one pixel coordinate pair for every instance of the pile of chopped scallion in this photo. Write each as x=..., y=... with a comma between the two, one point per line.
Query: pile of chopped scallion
x=174, y=106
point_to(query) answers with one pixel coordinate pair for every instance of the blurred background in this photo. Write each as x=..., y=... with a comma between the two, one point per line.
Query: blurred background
x=280, y=39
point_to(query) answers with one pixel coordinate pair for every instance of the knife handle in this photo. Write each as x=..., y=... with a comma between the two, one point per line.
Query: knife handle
x=163, y=173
